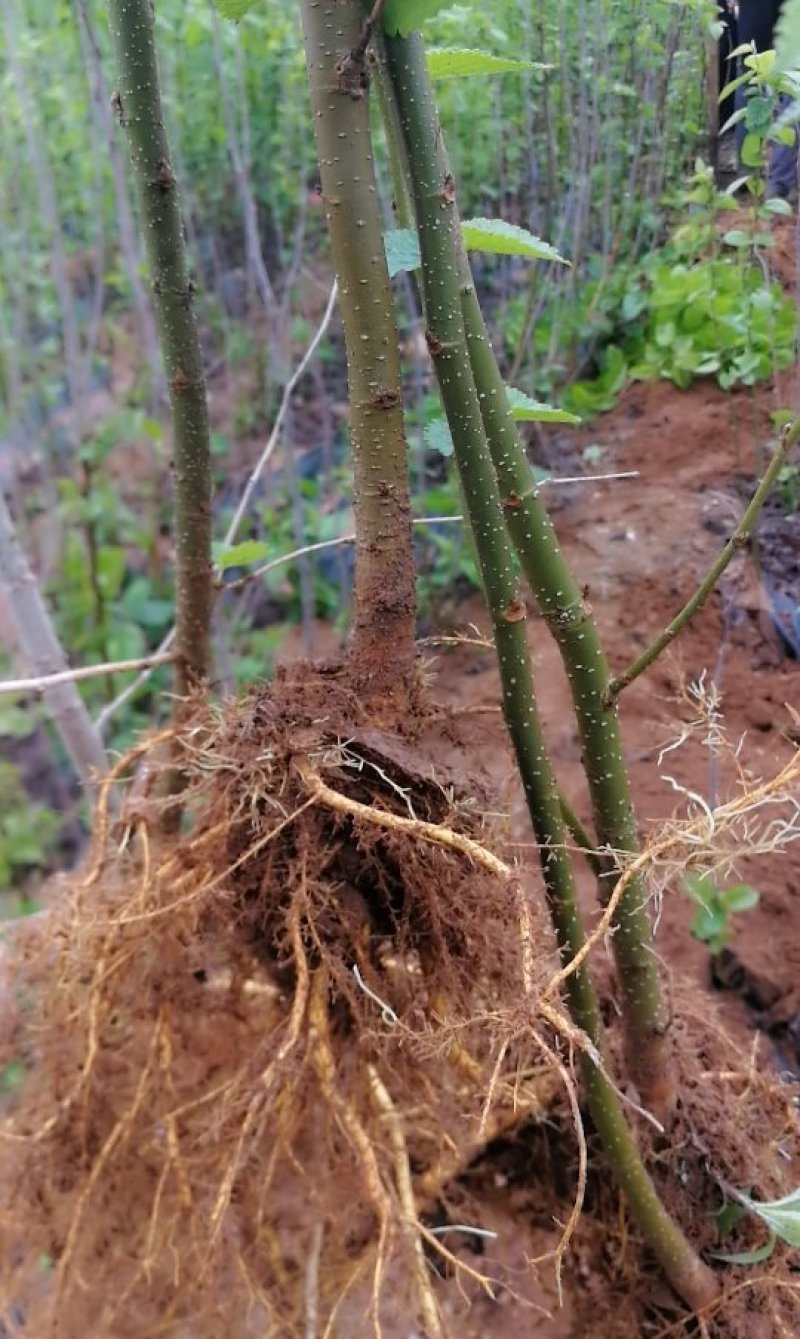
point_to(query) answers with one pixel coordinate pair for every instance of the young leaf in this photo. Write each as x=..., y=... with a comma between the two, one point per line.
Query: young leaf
x=781, y=1216
x=756, y=1257
x=739, y=897
x=752, y=151
x=737, y=237
x=778, y=206
x=527, y=410
x=402, y=250
x=437, y=436
x=249, y=551
x=457, y=62
x=506, y=239
x=710, y=926
x=406, y=16
x=733, y=84
x=733, y=120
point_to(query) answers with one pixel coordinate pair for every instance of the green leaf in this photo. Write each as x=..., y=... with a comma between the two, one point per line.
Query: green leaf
x=727, y=1216
x=492, y=235
x=737, y=237
x=733, y=120
x=527, y=410
x=699, y=887
x=783, y=134
x=758, y=114
x=406, y=16
x=739, y=897
x=781, y=1216
x=733, y=85
x=458, y=62
x=752, y=153
x=250, y=551
x=710, y=926
x=756, y=1257
x=438, y=437
x=402, y=250
x=506, y=239
x=234, y=9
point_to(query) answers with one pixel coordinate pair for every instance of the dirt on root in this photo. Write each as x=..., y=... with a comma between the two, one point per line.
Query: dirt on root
x=253, y=1056
x=299, y=1070
x=714, y=712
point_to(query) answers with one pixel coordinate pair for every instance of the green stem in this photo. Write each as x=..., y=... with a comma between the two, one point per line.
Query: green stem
x=569, y=618
x=737, y=541
x=395, y=148
x=439, y=235
x=581, y=837
x=138, y=104
x=383, y=649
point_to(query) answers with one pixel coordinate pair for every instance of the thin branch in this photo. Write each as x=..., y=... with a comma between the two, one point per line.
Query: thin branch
x=39, y=643
x=44, y=681
x=370, y=23
x=272, y=442
x=583, y=841
x=159, y=655
x=558, y=479
x=112, y=708
x=320, y=547
x=737, y=541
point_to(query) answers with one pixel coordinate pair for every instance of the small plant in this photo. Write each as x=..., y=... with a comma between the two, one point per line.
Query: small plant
x=715, y=907
x=782, y=1217
x=683, y=318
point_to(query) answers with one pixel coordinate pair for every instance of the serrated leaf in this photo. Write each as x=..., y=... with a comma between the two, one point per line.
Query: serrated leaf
x=787, y=36
x=234, y=9
x=460, y=62
x=526, y=410
x=249, y=551
x=506, y=239
x=781, y=1216
x=438, y=437
x=401, y=17
x=402, y=250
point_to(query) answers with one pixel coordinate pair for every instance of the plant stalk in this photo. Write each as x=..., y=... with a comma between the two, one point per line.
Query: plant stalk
x=737, y=541
x=568, y=615
x=438, y=232
x=138, y=106
x=383, y=651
